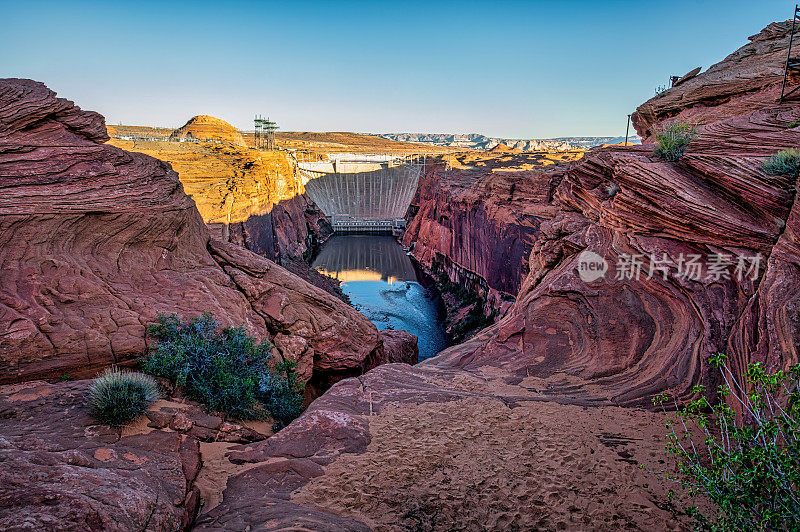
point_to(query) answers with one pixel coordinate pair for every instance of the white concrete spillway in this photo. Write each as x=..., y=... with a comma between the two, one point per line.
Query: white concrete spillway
x=362, y=192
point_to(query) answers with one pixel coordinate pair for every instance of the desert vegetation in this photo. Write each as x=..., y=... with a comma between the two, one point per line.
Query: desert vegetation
x=785, y=162
x=224, y=368
x=118, y=397
x=673, y=140
x=745, y=458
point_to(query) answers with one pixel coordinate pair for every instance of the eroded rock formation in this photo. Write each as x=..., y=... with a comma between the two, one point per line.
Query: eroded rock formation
x=95, y=242
x=621, y=340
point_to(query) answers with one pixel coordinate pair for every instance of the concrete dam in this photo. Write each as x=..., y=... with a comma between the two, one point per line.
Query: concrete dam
x=362, y=192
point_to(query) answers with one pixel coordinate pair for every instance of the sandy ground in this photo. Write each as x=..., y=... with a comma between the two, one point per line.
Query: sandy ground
x=478, y=464
x=216, y=468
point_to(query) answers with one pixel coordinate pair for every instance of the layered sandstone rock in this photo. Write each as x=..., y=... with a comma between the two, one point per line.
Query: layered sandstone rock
x=208, y=128
x=623, y=340
x=732, y=87
x=61, y=471
x=97, y=241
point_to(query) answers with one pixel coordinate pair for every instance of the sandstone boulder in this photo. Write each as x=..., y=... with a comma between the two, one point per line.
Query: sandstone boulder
x=400, y=346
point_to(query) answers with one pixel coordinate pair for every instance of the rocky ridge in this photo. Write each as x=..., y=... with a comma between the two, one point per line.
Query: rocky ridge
x=482, y=142
x=249, y=197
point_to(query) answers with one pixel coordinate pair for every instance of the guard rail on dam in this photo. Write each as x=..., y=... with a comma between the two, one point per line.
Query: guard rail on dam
x=360, y=192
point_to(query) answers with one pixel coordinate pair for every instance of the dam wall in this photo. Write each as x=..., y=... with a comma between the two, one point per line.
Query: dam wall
x=361, y=194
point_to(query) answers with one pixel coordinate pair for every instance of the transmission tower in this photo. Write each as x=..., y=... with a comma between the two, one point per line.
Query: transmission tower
x=264, y=133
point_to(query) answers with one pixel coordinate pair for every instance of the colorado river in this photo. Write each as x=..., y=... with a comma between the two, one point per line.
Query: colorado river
x=381, y=282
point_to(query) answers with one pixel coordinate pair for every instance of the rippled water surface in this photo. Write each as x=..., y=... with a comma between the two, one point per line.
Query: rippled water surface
x=382, y=284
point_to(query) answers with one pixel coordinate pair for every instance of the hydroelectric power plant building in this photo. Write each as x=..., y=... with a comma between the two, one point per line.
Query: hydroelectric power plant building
x=361, y=192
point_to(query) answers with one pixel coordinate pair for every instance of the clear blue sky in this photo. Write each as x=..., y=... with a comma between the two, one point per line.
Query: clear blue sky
x=503, y=68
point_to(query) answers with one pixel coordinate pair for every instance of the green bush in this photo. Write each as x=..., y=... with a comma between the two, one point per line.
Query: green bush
x=118, y=397
x=749, y=470
x=225, y=369
x=673, y=140
x=785, y=162
x=282, y=393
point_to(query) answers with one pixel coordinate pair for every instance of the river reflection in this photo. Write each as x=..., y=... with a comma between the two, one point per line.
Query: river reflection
x=383, y=285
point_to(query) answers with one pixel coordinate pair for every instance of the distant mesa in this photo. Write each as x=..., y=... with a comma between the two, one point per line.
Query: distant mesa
x=481, y=142
x=208, y=128
x=504, y=148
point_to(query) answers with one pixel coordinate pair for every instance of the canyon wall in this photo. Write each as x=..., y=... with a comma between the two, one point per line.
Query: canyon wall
x=475, y=220
x=622, y=338
x=96, y=241
x=249, y=197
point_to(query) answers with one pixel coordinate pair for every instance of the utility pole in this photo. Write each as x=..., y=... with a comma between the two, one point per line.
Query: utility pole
x=789, y=55
x=627, y=129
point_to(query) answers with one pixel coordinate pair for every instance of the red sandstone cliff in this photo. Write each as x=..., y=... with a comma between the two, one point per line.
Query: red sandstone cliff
x=624, y=340
x=475, y=220
x=97, y=241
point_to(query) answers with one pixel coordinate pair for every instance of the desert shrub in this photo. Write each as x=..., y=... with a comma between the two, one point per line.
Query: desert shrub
x=282, y=393
x=673, y=140
x=612, y=189
x=223, y=368
x=785, y=162
x=749, y=469
x=118, y=397
x=661, y=89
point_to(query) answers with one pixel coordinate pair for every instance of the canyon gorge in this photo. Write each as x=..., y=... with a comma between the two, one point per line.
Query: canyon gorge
x=538, y=415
